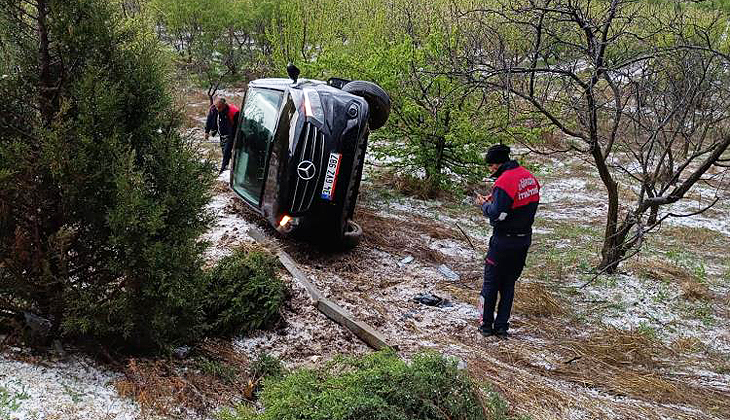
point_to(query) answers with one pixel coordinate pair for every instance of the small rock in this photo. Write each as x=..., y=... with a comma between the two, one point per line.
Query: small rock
x=181, y=352
x=448, y=273
x=428, y=299
x=407, y=260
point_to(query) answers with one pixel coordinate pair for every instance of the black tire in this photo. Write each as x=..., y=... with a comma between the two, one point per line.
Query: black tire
x=352, y=235
x=378, y=101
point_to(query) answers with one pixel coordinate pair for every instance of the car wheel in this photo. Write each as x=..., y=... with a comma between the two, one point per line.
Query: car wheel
x=352, y=235
x=378, y=101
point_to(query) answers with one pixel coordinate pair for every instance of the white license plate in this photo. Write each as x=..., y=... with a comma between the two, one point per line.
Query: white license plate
x=330, y=178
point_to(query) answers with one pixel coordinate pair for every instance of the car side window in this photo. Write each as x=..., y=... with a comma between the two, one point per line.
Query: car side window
x=260, y=113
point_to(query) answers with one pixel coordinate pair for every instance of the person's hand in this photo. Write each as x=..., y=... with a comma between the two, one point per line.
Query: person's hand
x=481, y=199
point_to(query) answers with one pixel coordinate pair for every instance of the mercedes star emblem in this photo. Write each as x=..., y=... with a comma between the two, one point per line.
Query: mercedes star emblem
x=306, y=170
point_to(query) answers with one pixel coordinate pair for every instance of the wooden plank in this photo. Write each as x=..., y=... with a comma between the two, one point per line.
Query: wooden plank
x=332, y=310
x=341, y=316
x=293, y=268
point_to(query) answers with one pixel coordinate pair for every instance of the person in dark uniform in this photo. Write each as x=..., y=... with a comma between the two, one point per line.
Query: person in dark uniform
x=223, y=118
x=511, y=209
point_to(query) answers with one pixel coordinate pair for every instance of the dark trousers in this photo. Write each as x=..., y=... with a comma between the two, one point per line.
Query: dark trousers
x=226, y=148
x=503, y=266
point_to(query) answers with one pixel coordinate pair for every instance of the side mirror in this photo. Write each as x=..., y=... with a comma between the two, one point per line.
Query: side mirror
x=337, y=82
x=293, y=72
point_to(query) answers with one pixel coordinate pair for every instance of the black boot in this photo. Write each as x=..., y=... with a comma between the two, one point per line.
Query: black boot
x=486, y=330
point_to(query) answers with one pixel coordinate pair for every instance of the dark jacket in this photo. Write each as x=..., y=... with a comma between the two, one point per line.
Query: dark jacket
x=515, y=197
x=224, y=122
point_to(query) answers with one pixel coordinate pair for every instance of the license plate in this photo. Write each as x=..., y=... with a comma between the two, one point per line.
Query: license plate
x=330, y=178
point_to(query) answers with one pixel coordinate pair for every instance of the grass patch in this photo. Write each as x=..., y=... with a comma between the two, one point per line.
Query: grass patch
x=216, y=368
x=377, y=386
x=11, y=400
x=409, y=185
x=703, y=312
x=697, y=236
x=647, y=330
x=550, y=264
x=267, y=366
x=723, y=366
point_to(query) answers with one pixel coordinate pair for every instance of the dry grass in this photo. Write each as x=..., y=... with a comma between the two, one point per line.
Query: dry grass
x=195, y=104
x=171, y=387
x=535, y=299
x=619, y=348
x=220, y=187
x=404, y=236
x=666, y=271
x=620, y=363
x=627, y=363
x=535, y=391
x=687, y=345
x=695, y=236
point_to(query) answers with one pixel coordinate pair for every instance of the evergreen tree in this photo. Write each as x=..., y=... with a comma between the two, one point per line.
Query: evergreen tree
x=101, y=200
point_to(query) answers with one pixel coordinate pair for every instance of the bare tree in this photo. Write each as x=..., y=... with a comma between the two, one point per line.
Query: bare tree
x=640, y=90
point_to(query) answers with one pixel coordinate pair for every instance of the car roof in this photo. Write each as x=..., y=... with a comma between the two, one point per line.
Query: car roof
x=283, y=84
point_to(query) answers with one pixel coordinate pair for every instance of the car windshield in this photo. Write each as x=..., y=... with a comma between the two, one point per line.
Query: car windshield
x=257, y=126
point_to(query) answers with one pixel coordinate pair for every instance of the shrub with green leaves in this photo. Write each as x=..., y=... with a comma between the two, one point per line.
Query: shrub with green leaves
x=266, y=366
x=377, y=386
x=244, y=293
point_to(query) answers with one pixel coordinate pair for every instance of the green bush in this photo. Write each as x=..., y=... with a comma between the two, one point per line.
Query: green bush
x=244, y=293
x=378, y=386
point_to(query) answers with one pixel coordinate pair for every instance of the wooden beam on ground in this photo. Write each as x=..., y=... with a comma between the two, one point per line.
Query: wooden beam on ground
x=332, y=310
x=341, y=316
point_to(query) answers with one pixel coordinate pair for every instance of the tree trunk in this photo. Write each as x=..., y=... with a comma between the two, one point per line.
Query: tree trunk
x=612, y=250
x=653, y=213
x=613, y=242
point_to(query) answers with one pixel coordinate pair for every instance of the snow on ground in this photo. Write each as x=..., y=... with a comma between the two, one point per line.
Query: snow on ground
x=711, y=219
x=64, y=389
x=305, y=337
x=229, y=229
x=571, y=199
x=627, y=302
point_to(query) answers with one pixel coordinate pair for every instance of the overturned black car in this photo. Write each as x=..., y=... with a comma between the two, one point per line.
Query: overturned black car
x=299, y=152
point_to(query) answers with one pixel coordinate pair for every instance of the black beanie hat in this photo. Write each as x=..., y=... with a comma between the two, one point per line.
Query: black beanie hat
x=499, y=153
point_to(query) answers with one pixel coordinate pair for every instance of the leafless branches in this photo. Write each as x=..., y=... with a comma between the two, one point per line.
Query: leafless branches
x=641, y=89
